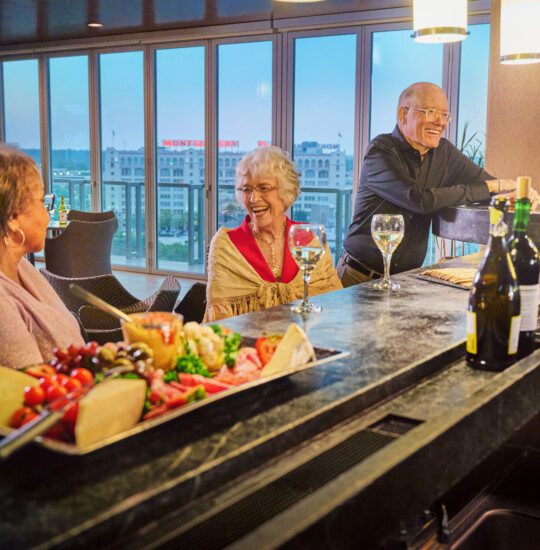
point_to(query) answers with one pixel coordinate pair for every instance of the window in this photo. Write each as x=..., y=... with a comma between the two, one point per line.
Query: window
x=21, y=106
x=473, y=81
x=325, y=134
x=244, y=115
x=180, y=116
x=398, y=61
x=122, y=134
x=70, y=130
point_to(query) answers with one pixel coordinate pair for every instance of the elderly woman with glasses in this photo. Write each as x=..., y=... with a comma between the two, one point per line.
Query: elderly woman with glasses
x=33, y=318
x=250, y=267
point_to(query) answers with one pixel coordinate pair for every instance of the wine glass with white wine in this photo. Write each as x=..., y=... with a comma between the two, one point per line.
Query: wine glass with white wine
x=387, y=231
x=307, y=242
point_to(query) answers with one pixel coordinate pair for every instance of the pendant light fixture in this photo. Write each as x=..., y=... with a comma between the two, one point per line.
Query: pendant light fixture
x=437, y=21
x=520, y=32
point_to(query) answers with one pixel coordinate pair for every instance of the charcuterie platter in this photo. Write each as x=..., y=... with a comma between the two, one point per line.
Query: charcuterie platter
x=175, y=372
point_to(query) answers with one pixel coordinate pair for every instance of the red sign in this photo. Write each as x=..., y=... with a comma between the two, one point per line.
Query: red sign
x=197, y=143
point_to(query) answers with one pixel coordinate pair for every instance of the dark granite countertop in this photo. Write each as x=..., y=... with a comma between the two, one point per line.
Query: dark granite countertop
x=395, y=341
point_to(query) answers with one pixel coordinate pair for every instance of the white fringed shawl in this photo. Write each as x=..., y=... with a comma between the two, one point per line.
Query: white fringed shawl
x=234, y=287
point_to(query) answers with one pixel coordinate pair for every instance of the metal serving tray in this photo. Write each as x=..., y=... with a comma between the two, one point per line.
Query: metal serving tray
x=324, y=355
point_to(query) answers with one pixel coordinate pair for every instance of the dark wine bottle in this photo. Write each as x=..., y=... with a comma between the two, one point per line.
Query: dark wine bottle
x=493, y=316
x=525, y=258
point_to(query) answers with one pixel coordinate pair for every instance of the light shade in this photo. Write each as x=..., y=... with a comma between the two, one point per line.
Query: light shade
x=437, y=21
x=520, y=31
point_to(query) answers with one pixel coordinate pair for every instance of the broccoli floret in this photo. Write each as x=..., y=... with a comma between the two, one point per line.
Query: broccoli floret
x=191, y=364
x=197, y=395
x=170, y=376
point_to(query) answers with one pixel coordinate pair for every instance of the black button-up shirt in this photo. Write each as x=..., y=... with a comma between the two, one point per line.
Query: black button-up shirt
x=395, y=180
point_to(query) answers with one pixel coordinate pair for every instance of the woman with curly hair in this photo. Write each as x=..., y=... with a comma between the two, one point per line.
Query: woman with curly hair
x=250, y=267
x=33, y=318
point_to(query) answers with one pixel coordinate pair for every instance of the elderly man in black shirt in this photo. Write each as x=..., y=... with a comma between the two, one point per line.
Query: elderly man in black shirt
x=413, y=171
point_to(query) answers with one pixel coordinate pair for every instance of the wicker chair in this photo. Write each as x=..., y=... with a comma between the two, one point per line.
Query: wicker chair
x=81, y=215
x=100, y=326
x=83, y=249
x=193, y=304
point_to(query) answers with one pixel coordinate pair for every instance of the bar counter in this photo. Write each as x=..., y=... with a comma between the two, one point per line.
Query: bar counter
x=340, y=454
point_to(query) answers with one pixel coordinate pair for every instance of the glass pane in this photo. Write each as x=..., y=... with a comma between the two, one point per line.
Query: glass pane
x=473, y=82
x=324, y=75
x=69, y=130
x=398, y=61
x=122, y=154
x=244, y=116
x=21, y=106
x=180, y=159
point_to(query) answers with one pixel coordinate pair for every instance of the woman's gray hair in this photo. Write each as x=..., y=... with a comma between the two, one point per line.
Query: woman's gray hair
x=18, y=175
x=270, y=161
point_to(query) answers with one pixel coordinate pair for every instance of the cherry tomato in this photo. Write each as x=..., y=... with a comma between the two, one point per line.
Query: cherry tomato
x=70, y=418
x=55, y=392
x=39, y=371
x=33, y=395
x=60, y=379
x=57, y=432
x=22, y=416
x=46, y=383
x=266, y=346
x=84, y=376
x=71, y=384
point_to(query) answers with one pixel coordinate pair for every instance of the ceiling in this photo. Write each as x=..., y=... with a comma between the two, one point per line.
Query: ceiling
x=41, y=21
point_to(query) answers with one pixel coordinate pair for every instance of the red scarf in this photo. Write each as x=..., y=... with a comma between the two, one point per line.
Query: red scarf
x=245, y=242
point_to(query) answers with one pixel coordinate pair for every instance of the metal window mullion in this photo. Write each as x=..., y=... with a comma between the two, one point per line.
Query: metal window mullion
x=363, y=101
x=44, y=120
x=211, y=132
x=2, y=105
x=277, y=91
x=95, y=134
x=451, y=65
x=288, y=92
x=150, y=149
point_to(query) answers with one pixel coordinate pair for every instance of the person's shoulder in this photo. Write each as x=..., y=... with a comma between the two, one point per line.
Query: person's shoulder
x=382, y=142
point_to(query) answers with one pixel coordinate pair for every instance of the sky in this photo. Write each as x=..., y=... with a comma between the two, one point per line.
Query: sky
x=324, y=84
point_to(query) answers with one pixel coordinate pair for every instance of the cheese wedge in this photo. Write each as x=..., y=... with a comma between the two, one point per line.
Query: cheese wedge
x=12, y=384
x=293, y=351
x=109, y=409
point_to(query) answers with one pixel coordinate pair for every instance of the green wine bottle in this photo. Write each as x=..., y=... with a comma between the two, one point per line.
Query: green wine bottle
x=62, y=212
x=493, y=316
x=525, y=258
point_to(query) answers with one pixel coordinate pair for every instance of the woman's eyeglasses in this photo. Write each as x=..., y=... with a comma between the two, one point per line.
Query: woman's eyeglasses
x=261, y=190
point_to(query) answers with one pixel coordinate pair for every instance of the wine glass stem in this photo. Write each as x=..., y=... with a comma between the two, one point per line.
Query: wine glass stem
x=306, y=285
x=386, y=259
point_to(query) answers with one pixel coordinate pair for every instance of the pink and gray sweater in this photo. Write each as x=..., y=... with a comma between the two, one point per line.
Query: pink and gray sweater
x=33, y=319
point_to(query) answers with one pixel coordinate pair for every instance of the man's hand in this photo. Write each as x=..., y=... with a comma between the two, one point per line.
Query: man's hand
x=501, y=186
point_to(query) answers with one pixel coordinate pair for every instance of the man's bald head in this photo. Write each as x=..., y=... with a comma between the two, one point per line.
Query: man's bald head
x=422, y=115
x=416, y=92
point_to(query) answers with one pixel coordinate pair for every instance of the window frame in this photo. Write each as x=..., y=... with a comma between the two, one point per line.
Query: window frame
x=282, y=33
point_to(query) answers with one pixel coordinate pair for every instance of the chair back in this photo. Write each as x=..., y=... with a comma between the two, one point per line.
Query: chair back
x=81, y=215
x=82, y=249
x=193, y=304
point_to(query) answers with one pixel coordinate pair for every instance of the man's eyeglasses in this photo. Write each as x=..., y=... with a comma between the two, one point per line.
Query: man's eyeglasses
x=261, y=190
x=433, y=114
